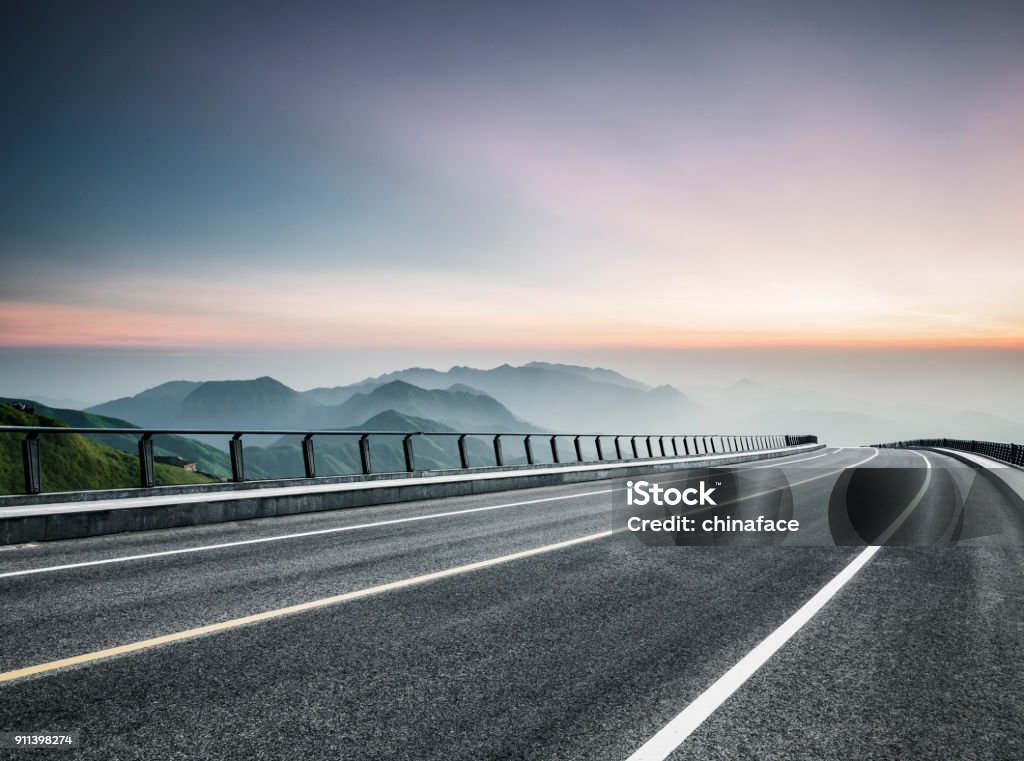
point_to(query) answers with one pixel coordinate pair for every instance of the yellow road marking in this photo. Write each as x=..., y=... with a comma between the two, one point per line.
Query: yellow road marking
x=99, y=655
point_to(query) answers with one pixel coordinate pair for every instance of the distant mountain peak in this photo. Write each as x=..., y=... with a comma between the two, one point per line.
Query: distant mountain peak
x=462, y=388
x=667, y=390
x=392, y=386
x=392, y=420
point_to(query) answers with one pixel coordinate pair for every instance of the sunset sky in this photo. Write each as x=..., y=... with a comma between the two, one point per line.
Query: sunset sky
x=534, y=178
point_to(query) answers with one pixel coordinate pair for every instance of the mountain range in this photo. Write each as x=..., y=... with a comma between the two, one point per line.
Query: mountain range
x=560, y=397
x=265, y=403
x=541, y=396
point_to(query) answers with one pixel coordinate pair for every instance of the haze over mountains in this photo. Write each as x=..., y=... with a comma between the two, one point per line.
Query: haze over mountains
x=843, y=420
x=269, y=404
x=544, y=396
x=558, y=397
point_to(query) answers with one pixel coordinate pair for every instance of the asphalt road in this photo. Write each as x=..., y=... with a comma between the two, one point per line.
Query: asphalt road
x=583, y=651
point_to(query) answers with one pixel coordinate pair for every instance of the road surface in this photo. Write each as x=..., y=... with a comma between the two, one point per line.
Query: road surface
x=517, y=625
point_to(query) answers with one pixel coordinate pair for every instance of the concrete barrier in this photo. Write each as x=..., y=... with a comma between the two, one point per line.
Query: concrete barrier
x=69, y=515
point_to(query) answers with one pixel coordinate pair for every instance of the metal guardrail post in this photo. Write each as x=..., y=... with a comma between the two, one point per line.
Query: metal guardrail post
x=364, y=454
x=410, y=458
x=308, y=457
x=30, y=462
x=147, y=472
x=692, y=445
x=1009, y=452
x=237, y=461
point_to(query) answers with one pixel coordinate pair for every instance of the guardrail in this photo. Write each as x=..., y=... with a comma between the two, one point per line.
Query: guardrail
x=1005, y=452
x=691, y=445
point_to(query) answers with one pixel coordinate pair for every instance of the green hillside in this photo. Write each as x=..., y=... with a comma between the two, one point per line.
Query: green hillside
x=70, y=462
x=338, y=455
x=466, y=410
x=265, y=403
x=207, y=458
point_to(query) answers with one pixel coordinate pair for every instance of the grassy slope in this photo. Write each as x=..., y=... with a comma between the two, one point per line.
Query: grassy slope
x=340, y=456
x=209, y=459
x=70, y=461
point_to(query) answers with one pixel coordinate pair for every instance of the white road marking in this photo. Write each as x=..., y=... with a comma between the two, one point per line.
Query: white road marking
x=792, y=462
x=299, y=535
x=672, y=735
x=902, y=517
x=790, y=484
x=340, y=529
x=313, y=604
x=122, y=503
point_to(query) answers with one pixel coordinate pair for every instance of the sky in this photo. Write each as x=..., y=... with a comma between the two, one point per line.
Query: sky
x=325, y=191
